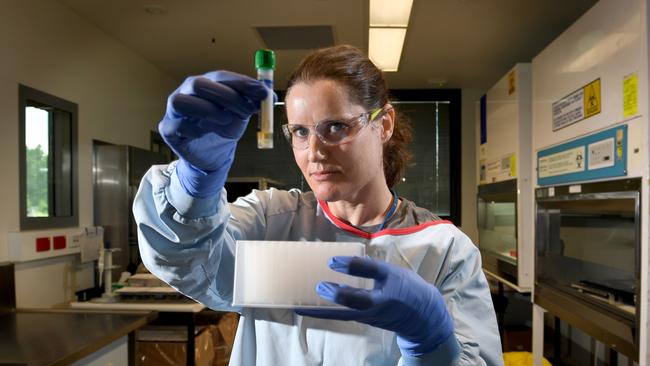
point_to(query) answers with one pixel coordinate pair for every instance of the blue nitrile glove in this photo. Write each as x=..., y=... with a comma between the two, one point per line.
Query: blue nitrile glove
x=401, y=301
x=205, y=118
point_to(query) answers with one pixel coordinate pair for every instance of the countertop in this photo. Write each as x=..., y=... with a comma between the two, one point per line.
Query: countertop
x=161, y=306
x=61, y=336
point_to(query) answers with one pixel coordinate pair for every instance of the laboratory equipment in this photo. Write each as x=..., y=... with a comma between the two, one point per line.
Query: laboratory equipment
x=265, y=64
x=106, y=268
x=591, y=159
x=145, y=287
x=284, y=274
x=7, y=287
x=588, y=257
x=118, y=170
x=505, y=202
x=497, y=225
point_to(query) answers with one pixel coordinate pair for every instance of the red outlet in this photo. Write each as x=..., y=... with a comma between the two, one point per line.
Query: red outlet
x=42, y=244
x=59, y=242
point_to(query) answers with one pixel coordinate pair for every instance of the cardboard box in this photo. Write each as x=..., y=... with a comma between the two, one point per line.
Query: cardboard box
x=161, y=353
x=223, y=338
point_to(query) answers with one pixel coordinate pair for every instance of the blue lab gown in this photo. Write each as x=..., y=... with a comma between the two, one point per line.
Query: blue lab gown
x=190, y=244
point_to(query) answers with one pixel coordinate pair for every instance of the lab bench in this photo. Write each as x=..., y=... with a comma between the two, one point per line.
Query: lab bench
x=185, y=314
x=62, y=336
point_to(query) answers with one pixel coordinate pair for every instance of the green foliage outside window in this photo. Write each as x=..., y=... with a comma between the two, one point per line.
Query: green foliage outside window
x=37, y=182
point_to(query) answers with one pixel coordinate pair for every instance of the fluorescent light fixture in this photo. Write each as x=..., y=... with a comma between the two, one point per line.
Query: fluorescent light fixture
x=390, y=13
x=385, y=47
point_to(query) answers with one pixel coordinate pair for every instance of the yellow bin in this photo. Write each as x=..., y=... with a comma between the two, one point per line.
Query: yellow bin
x=521, y=359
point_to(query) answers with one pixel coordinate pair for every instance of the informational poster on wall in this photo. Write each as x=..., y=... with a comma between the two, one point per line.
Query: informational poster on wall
x=597, y=156
x=563, y=162
x=498, y=170
x=577, y=106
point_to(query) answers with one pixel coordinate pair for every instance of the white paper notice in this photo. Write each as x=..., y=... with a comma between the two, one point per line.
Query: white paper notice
x=601, y=154
x=568, y=110
x=563, y=162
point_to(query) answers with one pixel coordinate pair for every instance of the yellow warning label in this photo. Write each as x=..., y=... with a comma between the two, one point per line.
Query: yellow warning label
x=630, y=95
x=513, y=165
x=619, y=144
x=512, y=82
x=591, y=94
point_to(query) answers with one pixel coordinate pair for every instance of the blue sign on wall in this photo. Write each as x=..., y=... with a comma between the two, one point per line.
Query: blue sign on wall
x=598, y=156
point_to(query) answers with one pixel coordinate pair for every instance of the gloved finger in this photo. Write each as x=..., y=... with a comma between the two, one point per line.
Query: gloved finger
x=251, y=88
x=360, y=267
x=182, y=105
x=351, y=297
x=225, y=97
x=335, y=314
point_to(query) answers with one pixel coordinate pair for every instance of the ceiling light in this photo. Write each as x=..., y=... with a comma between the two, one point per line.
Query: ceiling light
x=390, y=13
x=385, y=47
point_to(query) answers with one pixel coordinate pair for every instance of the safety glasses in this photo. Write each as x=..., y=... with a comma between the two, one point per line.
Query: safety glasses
x=331, y=132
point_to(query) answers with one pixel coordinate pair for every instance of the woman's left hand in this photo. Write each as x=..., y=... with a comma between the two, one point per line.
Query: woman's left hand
x=401, y=301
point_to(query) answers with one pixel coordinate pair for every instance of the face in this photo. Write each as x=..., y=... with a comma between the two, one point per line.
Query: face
x=337, y=172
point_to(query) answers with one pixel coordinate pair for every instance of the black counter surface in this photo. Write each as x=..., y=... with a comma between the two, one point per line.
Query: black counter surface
x=60, y=337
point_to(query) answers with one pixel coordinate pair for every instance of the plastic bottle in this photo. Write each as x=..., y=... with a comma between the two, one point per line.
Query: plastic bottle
x=265, y=64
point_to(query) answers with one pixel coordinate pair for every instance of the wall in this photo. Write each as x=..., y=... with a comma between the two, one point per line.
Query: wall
x=121, y=97
x=470, y=98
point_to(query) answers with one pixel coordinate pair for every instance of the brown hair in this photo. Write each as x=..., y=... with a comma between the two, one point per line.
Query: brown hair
x=366, y=86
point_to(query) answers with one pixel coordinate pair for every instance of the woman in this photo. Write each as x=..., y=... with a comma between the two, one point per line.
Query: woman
x=431, y=303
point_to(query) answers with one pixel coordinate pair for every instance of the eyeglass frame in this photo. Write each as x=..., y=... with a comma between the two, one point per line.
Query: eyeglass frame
x=364, y=118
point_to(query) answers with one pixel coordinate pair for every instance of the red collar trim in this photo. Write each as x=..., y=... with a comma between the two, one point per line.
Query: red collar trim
x=398, y=231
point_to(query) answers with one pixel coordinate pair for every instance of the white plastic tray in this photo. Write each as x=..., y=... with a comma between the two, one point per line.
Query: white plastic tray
x=284, y=274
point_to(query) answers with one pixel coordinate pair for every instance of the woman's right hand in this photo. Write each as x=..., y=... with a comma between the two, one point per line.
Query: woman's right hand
x=205, y=118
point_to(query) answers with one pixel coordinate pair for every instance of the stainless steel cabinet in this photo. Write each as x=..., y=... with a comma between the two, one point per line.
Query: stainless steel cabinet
x=117, y=171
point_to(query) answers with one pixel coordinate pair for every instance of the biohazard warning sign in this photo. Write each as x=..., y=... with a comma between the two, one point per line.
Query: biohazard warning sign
x=592, y=98
x=581, y=104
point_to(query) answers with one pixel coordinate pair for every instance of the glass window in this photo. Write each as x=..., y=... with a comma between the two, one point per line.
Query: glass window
x=497, y=229
x=432, y=178
x=37, y=161
x=47, y=160
x=588, y=246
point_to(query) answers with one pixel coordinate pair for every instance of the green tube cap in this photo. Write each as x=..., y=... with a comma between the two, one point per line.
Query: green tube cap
x=265, y=59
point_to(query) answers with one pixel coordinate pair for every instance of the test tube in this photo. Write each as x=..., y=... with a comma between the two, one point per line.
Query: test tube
x=265, y=64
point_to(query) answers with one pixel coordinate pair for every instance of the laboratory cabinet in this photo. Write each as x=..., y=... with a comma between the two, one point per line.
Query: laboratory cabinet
x=118, y=170
x=590, y=173
x=504, y=202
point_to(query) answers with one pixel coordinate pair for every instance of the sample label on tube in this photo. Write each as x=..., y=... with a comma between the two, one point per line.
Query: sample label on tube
x=265, y=123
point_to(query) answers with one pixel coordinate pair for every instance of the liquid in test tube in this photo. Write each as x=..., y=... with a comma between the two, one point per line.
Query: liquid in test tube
x=265, y=64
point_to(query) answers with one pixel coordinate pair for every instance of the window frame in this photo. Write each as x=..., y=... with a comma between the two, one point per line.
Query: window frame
x=454, y=97
x=25, y=96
